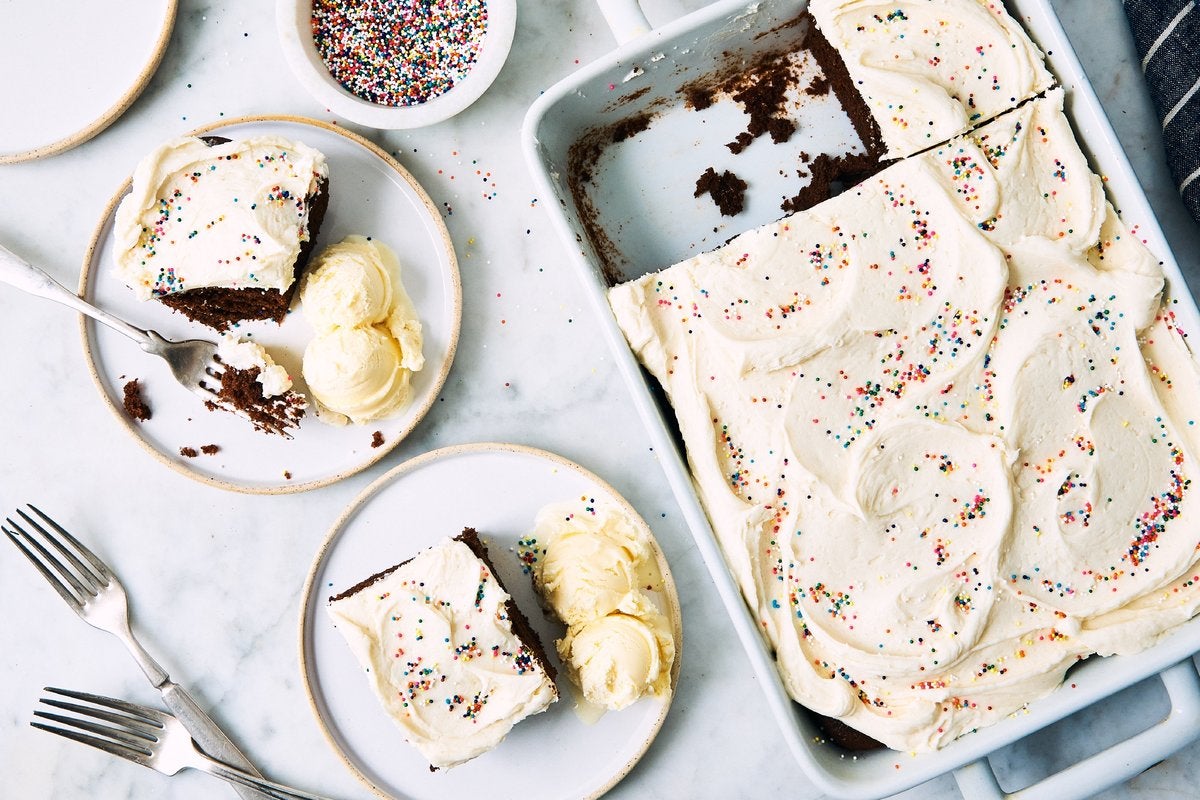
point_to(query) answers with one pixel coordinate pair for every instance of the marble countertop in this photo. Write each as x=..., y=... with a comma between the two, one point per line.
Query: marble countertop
x=215, y=577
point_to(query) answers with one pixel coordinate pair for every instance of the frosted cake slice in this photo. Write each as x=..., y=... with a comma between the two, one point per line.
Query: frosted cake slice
x=452, y=660
x=221, y=230
x=932, y=69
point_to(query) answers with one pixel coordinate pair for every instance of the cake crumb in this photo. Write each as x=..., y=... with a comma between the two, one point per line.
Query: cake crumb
x=820, y=87
x=377, y=439
x=188, y=452
x=827, y=177
x=632, y=126
x=727, y=190
x=698, y=97
x=287, y=475
x=135, y=404
x=210, y=449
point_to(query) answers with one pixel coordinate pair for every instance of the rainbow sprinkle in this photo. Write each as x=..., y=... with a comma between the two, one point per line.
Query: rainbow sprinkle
x=399, y=53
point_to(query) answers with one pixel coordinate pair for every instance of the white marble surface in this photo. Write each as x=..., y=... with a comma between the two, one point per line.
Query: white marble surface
x=215, y=577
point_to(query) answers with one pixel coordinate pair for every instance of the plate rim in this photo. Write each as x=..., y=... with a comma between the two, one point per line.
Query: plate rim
x=335, y=531
x=110, y=115
x=89, y=259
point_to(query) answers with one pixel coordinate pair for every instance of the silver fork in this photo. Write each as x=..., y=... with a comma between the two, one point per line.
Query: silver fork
x=148, y=737
x=193, y=362
x=91, y=589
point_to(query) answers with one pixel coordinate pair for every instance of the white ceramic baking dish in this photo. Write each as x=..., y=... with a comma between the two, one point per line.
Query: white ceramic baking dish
x=642, y=197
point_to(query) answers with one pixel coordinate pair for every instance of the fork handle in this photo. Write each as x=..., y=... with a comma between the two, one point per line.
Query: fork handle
x=269, y=788
x=205, y=732
x=16, y=271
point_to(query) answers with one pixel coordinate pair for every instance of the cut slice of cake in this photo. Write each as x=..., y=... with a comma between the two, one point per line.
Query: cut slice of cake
x=221, y=230
x=929, y=71
x=451, y=658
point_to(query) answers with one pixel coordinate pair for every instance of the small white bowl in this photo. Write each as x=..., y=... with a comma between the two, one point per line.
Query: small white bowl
x=294, y=20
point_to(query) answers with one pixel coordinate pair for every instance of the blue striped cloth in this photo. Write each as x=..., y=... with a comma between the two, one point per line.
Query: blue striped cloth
x=1167, y=34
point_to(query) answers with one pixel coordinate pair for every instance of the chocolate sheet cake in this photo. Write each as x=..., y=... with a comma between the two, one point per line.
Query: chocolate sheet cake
x=909, y=410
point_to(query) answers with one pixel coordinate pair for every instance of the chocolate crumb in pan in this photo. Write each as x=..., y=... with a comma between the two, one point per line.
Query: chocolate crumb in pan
x=767, y=86
x=726, y=189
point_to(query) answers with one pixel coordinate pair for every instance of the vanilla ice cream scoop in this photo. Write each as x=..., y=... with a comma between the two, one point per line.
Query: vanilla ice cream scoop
x=590, y=561
x=359, y=365
x=347, y=286
x=356, y=372
x=593, y=565
x=584, y=575
x=617, y=658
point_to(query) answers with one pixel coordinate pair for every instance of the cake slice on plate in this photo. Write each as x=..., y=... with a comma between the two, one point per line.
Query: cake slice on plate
x=451, y=658
x=221, y=230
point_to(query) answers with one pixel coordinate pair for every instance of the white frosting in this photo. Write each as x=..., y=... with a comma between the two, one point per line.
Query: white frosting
x=931, y=69
x=438, y=649
x=245, y=355
x=593, y=566
x=919, y=422
x=368, y=339
x=233, y=215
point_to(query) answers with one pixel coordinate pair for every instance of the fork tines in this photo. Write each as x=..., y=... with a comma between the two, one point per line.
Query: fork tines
x=211, y=372
x=86, y=575
x=137, y=727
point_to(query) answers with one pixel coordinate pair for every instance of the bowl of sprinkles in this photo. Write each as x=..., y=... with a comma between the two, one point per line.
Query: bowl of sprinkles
x=396, y=63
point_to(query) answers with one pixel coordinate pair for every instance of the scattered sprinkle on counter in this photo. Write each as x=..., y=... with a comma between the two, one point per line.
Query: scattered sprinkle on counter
x=399, y=52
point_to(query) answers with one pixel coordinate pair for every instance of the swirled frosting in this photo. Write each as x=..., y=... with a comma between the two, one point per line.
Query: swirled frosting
x=438, y=648
x=231, y=215
x=931, y=69
x=942, y=427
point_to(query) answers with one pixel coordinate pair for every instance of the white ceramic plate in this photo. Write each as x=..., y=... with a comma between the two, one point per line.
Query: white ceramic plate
x=107, y=53
x=498, y=490
x=369, y=194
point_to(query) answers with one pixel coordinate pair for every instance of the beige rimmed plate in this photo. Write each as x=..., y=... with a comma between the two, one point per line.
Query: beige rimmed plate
x=369, y=194
x=498, y=490
x=105, y=52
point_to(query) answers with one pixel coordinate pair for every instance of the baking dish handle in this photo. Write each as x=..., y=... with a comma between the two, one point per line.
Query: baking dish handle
x=625, y=19
x=1118, y=763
